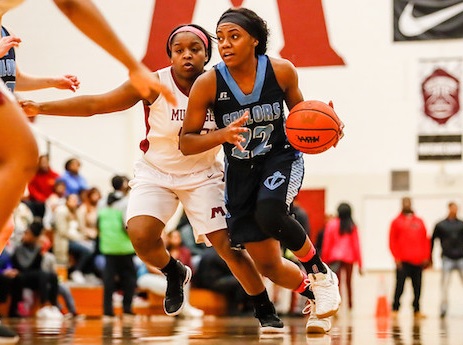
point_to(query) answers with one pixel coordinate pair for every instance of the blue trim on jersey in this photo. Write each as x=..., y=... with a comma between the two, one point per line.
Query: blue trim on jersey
x=254, y=96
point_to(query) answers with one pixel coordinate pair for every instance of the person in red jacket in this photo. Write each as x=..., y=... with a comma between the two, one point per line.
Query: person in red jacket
x=41, y=186
x=341, y=247
x=410, y=246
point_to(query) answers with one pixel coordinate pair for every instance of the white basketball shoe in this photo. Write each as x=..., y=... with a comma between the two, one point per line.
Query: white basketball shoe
x=314, y=323
x=325, y=287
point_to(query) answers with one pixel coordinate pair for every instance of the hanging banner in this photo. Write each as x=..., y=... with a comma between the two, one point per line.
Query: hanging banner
x=440, y=119
x=421, y=20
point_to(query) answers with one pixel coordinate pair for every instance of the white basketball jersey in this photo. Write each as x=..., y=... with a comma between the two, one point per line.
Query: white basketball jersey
x=164, y=124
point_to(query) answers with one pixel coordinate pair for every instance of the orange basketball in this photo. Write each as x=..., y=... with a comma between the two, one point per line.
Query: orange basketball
x=312, y=127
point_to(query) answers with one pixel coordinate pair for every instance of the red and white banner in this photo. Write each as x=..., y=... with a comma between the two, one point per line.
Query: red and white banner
x=440, y=119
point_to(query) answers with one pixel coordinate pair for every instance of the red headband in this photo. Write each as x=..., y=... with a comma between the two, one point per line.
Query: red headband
x=189, y=28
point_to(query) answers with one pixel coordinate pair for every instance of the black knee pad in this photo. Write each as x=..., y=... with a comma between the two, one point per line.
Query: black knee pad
x=274, y=220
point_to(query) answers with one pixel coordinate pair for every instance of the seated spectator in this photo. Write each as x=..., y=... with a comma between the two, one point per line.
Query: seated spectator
x=75, y=182
x=214, y=274
x=68, y=240
x=22, y=219
x=115, y=245
x=27, y=260
x=57, y=198
x=7, y=276
x=41, y=186
x=87, y=214
x=49, y=265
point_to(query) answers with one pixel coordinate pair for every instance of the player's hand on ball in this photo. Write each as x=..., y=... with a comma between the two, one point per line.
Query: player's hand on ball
x=233, y=131
x=29, y=107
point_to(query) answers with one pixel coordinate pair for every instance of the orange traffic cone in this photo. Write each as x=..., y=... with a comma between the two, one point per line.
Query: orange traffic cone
x=382, y=304
x=382, y=311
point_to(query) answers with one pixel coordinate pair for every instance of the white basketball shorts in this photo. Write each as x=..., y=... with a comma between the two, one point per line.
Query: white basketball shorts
x=156, y=193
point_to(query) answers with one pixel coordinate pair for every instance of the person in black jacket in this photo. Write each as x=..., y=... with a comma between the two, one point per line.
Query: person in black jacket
x=449, y=232
x=27, y=259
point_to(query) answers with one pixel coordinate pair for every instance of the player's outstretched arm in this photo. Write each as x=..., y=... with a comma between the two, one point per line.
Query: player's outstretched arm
x=27, y=82
x=88, y=18
x=121, y=98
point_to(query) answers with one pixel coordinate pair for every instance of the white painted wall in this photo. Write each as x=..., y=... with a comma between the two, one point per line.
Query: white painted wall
x=375, y=94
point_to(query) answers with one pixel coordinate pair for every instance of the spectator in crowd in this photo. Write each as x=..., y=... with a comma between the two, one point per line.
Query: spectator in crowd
x=87, y=215
x=341, y=247
x=56, y=198
x=69, y=240
x=214, y=274
x=410, y=246
x=27, y=260
x=75, y=182
x=449, y=232
x=22, y=219
x=41, y=186
x=118, y=251
x=49, y=265
x=7, y=276
x=121, y=189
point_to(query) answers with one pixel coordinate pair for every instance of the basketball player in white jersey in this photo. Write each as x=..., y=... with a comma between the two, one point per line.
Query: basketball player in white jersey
x=164, y=176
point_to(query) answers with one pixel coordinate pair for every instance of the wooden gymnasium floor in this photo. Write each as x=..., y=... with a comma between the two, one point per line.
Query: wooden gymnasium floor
x=358, y=327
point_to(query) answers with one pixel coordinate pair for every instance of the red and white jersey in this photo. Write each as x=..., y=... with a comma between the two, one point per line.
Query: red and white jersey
x=163, y=125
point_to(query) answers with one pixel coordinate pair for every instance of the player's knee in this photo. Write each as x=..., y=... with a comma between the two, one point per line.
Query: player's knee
x=274, y=220
x=142, y=239
x=270, y=216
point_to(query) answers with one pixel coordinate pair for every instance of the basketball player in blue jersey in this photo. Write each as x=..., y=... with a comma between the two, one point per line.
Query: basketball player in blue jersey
x=264, y=172
x=18, y=148
x=164, y=176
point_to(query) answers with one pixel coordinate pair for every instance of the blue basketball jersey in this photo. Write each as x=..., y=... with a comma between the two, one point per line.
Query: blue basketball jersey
x=8, y=66
x=266, y=123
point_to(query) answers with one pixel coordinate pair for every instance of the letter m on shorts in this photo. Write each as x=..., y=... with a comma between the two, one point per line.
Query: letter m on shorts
x=216, y=210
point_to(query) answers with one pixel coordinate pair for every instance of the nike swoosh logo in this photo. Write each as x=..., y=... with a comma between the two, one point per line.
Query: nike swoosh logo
x=409, y=25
